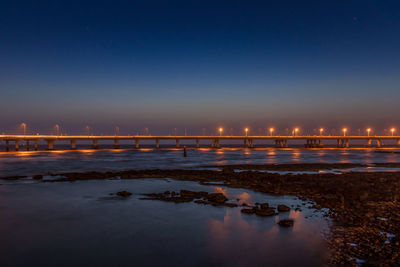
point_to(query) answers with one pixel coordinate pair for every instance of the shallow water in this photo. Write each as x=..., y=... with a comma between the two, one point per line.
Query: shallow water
x=30, y=162
x=80, y=223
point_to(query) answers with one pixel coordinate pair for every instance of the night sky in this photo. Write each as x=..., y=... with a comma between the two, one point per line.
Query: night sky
x=199, y=64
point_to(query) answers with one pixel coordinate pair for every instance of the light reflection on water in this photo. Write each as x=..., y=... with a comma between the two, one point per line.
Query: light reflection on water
x=79, y=223
x=29, y=162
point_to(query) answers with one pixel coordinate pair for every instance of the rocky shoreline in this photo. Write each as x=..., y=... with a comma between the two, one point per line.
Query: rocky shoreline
x=364, y=207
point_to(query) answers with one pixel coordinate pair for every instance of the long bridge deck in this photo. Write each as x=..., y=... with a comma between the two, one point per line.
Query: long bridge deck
x=248, y=141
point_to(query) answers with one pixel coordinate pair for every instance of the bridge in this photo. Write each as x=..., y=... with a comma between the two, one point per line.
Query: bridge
x=31, y=141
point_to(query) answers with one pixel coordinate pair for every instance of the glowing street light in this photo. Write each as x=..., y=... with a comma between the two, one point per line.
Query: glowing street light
x=295, y=131
x=368, y=131
x=23, y=125
x=344, y=131
x=321, y=130
x=392, y=131
x=57, y=127
x=246, y=130
x=271, y=130
x=220, y=131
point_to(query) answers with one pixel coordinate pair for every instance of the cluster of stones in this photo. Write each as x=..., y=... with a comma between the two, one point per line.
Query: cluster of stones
x=264, y=210
x=219, y=199
x=202, y=197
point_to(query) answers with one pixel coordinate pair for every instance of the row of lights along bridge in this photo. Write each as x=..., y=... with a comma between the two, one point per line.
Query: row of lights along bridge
x=295, y=131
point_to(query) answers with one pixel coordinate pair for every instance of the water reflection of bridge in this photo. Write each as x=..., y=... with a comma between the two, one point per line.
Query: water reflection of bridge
x=213, y=141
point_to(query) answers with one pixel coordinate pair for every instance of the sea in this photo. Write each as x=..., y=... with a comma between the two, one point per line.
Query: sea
x=84, y=223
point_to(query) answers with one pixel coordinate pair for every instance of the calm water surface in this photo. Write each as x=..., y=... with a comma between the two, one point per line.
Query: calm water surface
x=80, y=224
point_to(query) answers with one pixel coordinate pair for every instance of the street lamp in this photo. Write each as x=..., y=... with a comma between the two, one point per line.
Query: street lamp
x=344, y=131
x=271, y=130
x=246, y=130
x=368, y=131
x=393, y=130
x=296, y=130
x=23, y=125
x=220, y=131
x=87, y=129
x=321, y=130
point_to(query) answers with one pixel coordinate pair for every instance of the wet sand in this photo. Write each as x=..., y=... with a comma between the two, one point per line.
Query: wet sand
x=364, y=207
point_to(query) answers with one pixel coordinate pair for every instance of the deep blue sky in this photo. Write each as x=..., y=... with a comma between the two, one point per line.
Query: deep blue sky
x=195, y=64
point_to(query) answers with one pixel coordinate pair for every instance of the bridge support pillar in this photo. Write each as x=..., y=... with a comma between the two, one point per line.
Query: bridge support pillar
x=27, y=145
x=216, y=143
x=197, y=143
x=285, y=143
x=347, y=143
x=116, y=143
x=279, y=143
x=137, y=143
x=157, y=143
x=73, y=144
x=339, y=143
x=35, y=145
x=378, y=143
x=398, y=142
x=308, y=143
x=177, y=143
x=369, y=142
x=95, y=144
x=16, y=145
x=250, y=143
x=245, y=142
x=7, y=145
x=50, y=144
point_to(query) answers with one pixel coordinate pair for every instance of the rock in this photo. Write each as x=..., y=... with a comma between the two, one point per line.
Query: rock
x=283, y=208
x=318, y=207
x=216, y=197
x=265, y=212
x=38, y=177
x=124, y=193
x=286, y=223
x=193, y=194
x=264, y=206
x=248, y=211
